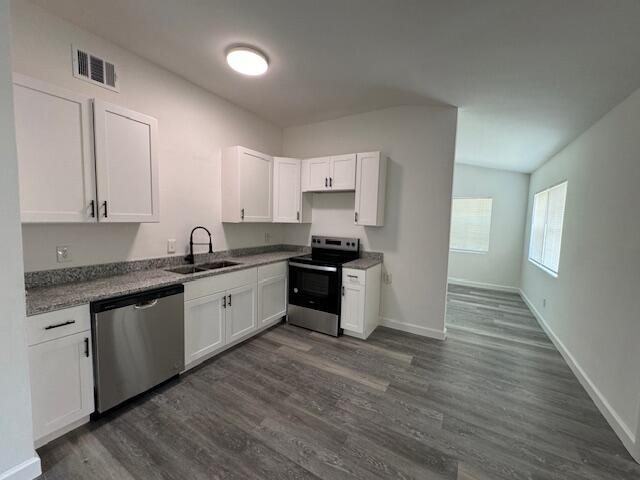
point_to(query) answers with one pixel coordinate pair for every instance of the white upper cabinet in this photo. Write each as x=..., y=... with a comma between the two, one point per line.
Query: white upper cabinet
x=65, y=147
x=126, y=164
x=329, y=173
x=286, y=190
x=371, y=181
x=55, y=152
x=343, y=172
x=247, y=186
x=315, y=174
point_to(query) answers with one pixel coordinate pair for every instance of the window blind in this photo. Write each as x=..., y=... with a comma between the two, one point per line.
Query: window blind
x=471, y=224
x=546, y=227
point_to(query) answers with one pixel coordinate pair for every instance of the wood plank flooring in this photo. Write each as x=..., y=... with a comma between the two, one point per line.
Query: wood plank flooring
x=495, y=401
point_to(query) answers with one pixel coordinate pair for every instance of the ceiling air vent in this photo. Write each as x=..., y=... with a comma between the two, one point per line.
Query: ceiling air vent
x=95, y=69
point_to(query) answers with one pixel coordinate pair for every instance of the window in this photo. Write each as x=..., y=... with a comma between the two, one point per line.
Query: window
x=471, y=224
x=546, y=227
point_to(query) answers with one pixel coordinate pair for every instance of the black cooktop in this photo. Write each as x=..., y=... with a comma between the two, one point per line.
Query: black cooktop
x=331, y=251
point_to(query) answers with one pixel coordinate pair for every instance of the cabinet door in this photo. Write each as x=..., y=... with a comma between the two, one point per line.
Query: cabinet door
x=55, y=153
x=370, y=189
x=256, y=186
x=286, y=190
x=343, y=172
x=272, y=299
x=241, y=315
x=352, y=313
x=204, y=326
x=61, y=382
x=127, y=164
x=317, y=173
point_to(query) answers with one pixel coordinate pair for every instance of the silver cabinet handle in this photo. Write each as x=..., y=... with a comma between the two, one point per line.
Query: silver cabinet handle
x=353, y=276
x=242, y=214
x=326, y=182
x=144, y=306
x=330, y=182
x=356, y=217
x=224, y=301
x=343, y=290
x=298, y=216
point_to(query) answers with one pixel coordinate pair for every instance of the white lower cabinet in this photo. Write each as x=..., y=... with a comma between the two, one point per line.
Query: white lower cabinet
x=61, y=371
x=223, y=310
x=272, y=299
x=241, y=320
x=352, y=315
x=360, y=312
x=204, y=326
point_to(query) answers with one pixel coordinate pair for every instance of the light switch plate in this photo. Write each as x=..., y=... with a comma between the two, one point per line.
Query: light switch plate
x=63, y=254
x=171, y=245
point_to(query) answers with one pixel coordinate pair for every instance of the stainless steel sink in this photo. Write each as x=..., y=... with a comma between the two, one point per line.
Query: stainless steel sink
x=186, y=270
x=217, y=265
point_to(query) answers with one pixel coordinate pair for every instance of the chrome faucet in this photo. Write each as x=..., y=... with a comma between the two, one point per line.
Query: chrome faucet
x=191, y=258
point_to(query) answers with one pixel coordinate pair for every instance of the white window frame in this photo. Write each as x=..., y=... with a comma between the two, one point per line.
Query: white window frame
x=466, y=250
x=540, y=265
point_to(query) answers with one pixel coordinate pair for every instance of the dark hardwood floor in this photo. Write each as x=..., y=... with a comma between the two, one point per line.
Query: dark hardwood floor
x=494, y=401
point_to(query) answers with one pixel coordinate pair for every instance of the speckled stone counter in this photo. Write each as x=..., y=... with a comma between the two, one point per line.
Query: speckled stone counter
x=56, y=297
x=367, y=260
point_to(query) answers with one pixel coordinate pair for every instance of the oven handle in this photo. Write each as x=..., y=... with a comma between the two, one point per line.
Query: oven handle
x=313, y=267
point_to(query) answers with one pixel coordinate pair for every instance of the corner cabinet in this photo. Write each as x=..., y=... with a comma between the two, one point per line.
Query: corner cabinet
x=290, y=205
x=360, y=312
x=247, y=186
x=83, y=160
x=371, y=182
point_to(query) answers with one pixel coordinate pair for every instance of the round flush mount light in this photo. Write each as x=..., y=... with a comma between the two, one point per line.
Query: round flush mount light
x=247, y=60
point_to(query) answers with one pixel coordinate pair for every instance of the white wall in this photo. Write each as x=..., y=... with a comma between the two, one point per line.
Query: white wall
x=193, y=126
x=500, y=267
x=592, y=307
x=16, y=438
x=419, y=142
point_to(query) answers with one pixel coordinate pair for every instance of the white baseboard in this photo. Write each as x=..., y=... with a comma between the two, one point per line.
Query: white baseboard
x=27, y=470
x=486, y=286
x=628, y=438
x=416, y=329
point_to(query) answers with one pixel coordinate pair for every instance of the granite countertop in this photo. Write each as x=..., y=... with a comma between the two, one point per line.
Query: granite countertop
x=57, y=297
x=363, y=263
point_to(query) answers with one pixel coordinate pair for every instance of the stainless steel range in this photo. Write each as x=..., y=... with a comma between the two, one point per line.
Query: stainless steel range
x=315, y=283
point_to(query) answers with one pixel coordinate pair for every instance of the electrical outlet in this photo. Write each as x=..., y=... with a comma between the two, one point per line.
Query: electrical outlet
x=387, y=278
x=63, y=254
x=171, y=245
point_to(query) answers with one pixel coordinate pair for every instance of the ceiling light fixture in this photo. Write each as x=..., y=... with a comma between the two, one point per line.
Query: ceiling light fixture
x=247, y=60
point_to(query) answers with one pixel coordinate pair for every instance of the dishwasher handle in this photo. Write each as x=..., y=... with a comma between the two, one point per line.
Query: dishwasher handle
x=144, y=306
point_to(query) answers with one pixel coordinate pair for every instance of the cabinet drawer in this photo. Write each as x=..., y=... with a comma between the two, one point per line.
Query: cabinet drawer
x=53, y=325
x=219, y=283
x=273, y=270
x=353, y=277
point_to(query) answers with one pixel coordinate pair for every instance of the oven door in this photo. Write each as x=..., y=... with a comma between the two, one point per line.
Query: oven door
x=315, y=286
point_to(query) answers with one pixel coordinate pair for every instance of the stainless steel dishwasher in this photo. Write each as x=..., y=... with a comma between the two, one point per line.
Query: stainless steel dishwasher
x=138, y=343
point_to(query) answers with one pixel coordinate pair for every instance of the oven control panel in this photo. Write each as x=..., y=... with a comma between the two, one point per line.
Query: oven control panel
x=336, y=243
